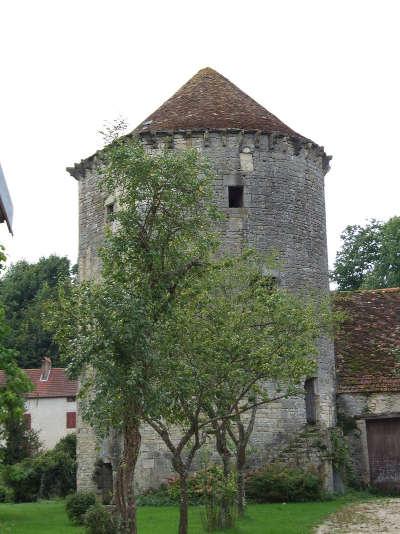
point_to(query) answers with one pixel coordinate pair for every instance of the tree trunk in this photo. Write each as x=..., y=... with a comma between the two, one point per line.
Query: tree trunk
x=226, y=462
x=241, y=442
x=225, y=454
x=240, y=464
x=124, y=492
x=183, y=506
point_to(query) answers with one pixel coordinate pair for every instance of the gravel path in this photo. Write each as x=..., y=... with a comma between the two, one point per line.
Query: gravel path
x=381, y=516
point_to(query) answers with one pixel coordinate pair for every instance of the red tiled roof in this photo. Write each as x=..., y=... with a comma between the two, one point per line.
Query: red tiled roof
x=210, y=101
x=58, y=384
x=367, y=345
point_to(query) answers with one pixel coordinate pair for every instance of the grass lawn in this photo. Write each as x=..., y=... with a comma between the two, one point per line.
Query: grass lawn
x=48, y=517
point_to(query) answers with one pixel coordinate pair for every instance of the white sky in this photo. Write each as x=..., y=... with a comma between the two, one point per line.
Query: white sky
x=328, y=68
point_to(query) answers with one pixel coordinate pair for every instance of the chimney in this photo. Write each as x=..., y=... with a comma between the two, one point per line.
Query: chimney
x=46, y=368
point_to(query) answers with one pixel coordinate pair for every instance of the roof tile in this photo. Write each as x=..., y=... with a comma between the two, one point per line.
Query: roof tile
x=58, y=384
x=210, y=101
x=367, y=346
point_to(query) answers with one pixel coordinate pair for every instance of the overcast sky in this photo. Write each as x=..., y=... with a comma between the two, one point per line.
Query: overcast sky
x=329, y=69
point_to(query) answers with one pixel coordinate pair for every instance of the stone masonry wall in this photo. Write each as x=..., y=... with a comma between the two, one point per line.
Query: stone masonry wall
x=283, y=212
x=354, y=409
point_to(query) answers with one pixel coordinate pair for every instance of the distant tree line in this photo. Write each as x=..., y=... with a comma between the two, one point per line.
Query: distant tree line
x=26, y=291
x=369, y=257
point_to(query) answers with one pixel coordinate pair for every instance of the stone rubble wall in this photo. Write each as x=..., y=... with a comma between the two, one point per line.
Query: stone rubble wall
x=283, y=212
x=354, y=409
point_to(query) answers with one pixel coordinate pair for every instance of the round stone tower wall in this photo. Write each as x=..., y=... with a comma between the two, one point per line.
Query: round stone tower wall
x=277, y=207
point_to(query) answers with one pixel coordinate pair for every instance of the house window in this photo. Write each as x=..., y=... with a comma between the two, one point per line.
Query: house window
x=28, y=420
x=70, y=399
x=311, y=400
x=235, y=195
x=71, y=419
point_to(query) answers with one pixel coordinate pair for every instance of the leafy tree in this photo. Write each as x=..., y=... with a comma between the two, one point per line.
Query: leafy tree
x=19, y=443
x=161, y=235
x=26, y=290
x=230, y=334
x=369, y=257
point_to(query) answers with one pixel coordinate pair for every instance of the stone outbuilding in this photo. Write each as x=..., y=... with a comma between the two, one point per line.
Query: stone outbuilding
x=270, y=185
x=368, y=392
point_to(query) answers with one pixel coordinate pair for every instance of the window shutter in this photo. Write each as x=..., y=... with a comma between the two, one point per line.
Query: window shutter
x=71, y=419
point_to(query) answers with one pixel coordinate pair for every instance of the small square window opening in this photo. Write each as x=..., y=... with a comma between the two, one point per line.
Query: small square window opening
x=235, y=195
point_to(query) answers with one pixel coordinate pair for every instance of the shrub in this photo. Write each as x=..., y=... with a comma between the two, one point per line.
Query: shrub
x=282, y=483
x=6, y=494
x=219, y=497
x=51, y=474
x=97, y=520
x=19, y=442
x=67, y=445
x=78, y=504
x=157, y=497
x=57, y=474
x=23, y=479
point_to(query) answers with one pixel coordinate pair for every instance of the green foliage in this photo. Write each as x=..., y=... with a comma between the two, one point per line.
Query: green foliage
x=283, y=483
x=67, y=446
x=2, y=257
x=205, y=485
x=161, y=234
x=228, y=334
x=98, y=520
x=6, y=494
x=20, y=441
x=341, y=457
x=26, y=290
x=369, y=257
x=16, y=441
x=50, y=474
x=219, y=497
x=161, y=497
x=78, y=504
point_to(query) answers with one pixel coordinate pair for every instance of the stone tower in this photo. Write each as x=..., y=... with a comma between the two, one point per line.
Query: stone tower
x=270, y=185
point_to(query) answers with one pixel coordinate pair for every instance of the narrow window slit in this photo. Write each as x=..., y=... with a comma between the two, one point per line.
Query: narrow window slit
x=311, y=400
x=109, y=211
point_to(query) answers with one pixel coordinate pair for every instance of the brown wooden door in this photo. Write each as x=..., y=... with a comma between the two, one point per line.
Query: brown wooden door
x=383, y=437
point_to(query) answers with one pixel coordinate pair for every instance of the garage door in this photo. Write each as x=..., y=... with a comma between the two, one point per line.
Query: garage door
x=384, y=452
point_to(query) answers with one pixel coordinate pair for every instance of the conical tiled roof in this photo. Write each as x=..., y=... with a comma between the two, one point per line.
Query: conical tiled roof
x=210, y=101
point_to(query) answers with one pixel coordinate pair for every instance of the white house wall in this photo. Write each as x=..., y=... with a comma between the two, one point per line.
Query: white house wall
x=49, y=418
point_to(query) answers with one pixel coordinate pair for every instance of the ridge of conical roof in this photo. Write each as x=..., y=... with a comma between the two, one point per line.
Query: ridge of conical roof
x=211, y=101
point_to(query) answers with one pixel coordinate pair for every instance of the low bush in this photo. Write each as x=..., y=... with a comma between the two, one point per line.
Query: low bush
x=169, y=493
x=6, y=494
x=157, y=497
x=282, y=483
x=50, y=474
x=78, y=504
x=67, y=445
x=219, y=497
x=98, y=520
